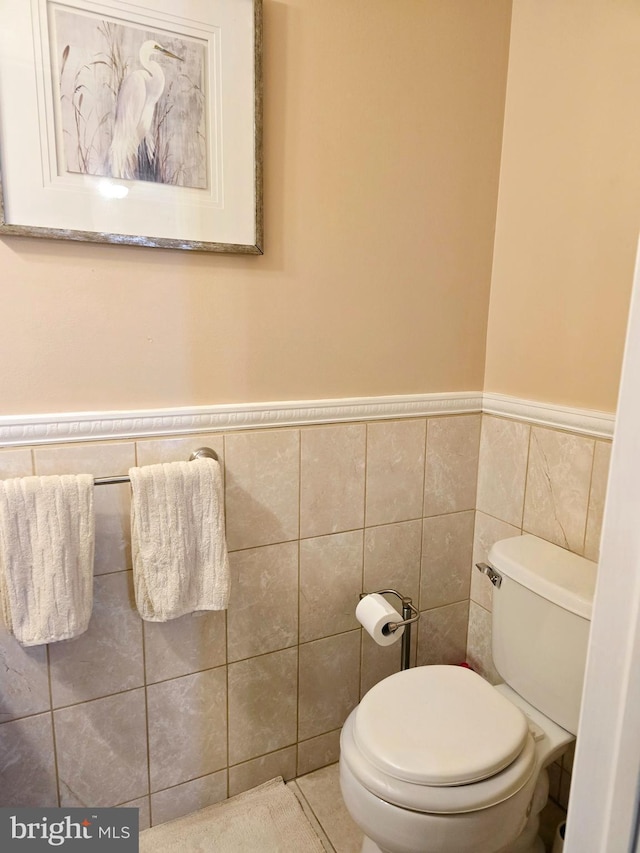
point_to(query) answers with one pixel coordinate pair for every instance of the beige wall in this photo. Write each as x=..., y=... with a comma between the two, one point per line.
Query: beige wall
x=569, y=203
x=383, y=127
x=382, y=146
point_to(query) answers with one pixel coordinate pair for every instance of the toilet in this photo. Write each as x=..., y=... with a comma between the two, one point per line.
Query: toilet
x=435, y=759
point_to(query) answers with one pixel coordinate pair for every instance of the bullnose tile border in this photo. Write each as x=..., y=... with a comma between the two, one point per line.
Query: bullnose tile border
x=582, y=421
x=99, y=426
x=149, y=423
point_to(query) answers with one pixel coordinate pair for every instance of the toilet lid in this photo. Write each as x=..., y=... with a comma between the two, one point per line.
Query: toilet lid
x=438, y=726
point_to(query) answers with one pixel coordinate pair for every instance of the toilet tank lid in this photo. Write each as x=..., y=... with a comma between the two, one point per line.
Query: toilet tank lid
x=554, y=573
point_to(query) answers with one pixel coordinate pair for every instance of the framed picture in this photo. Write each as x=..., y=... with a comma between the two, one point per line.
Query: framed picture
x=133, y=123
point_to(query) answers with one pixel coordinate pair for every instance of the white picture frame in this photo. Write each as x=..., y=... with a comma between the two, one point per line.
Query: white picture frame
x=84, y=83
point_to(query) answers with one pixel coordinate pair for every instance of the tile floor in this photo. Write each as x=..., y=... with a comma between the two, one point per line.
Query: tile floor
x=320, y=797
x=319, y=794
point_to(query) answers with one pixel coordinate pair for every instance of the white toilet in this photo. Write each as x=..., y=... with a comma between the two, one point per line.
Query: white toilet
x=436, y=760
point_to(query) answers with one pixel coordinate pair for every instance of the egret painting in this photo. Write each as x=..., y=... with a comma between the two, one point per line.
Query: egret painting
x=131, y=101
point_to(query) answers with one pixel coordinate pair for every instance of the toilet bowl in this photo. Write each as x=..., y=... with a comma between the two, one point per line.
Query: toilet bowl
x=459, y=769
x=435, y=759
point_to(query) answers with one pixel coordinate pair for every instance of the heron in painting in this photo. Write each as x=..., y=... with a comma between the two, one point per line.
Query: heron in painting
x=136, y=102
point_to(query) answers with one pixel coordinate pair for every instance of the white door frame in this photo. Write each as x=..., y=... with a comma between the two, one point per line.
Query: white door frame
x=603, y=809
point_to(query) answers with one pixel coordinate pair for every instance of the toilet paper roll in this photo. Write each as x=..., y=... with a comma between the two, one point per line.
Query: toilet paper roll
x=374, y=614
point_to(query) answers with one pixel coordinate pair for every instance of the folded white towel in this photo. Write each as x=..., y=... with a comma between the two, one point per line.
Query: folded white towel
x=180, y=561
x=47, y=534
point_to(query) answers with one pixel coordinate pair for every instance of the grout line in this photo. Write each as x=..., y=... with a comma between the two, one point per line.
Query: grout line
x=424, y=467
x=588, y=512
x=416, y=632
x=146, y=718
x=526, y=480
x=227, y=710
x=297, y=647
x=226, y=623
x=363, y=565
x=312, y=810
x=53, y=728
x=365, y=477
x=363, y=576
x=350, y=530
x=362, y=589
x=311, y=816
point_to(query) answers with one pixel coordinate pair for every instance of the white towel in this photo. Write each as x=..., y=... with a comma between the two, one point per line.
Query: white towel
x=180, y=561
x=47, y=535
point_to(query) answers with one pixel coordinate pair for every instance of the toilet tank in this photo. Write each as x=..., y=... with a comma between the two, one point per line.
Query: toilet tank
x=541, y=620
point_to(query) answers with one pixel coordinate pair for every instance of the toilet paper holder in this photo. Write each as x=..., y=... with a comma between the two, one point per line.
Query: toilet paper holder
x=409, y=615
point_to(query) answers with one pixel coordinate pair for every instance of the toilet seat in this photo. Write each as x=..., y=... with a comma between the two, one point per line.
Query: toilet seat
x=453, y=799
x=439, y=740
x=439, y=726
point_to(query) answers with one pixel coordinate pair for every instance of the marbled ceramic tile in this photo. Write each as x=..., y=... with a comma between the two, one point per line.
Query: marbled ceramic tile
x=479, y=643
x=329, y=683
x=102, y=459
x=262, y=492
x=263, y=606
x=395, y=471
x=107, y=658
x=112, y=503
x=186, y=645
x=442, y=634
x=112, y=506
x=322, y=791
x=330, y=584
x=144, y=811
x=502, y=471
x=318, y=752
x=25, y=680
x=15, y=463
x=452, y=464
x=248, y=775
x=597, y=495
x=379, y=662
x=188, y=797
x=313, y=820
x=102, y=751
x=488, y=531
x=262, y=704
x=187, y=727
x=392, y=558
x=332, y=479
x=558, y=479
x=447, y=544
x=27, y=765
x=178, y=449
x=392, y=561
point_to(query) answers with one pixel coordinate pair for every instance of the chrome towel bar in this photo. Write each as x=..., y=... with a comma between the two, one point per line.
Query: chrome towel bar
x=200, y=453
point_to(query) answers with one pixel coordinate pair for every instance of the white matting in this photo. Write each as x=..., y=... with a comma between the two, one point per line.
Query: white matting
x=266, y=819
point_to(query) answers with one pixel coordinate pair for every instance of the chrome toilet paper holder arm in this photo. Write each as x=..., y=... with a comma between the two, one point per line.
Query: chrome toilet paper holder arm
x=409, y=615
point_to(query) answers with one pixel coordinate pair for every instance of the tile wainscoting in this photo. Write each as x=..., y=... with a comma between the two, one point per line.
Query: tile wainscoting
x=548, y=482
x=172, y=717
